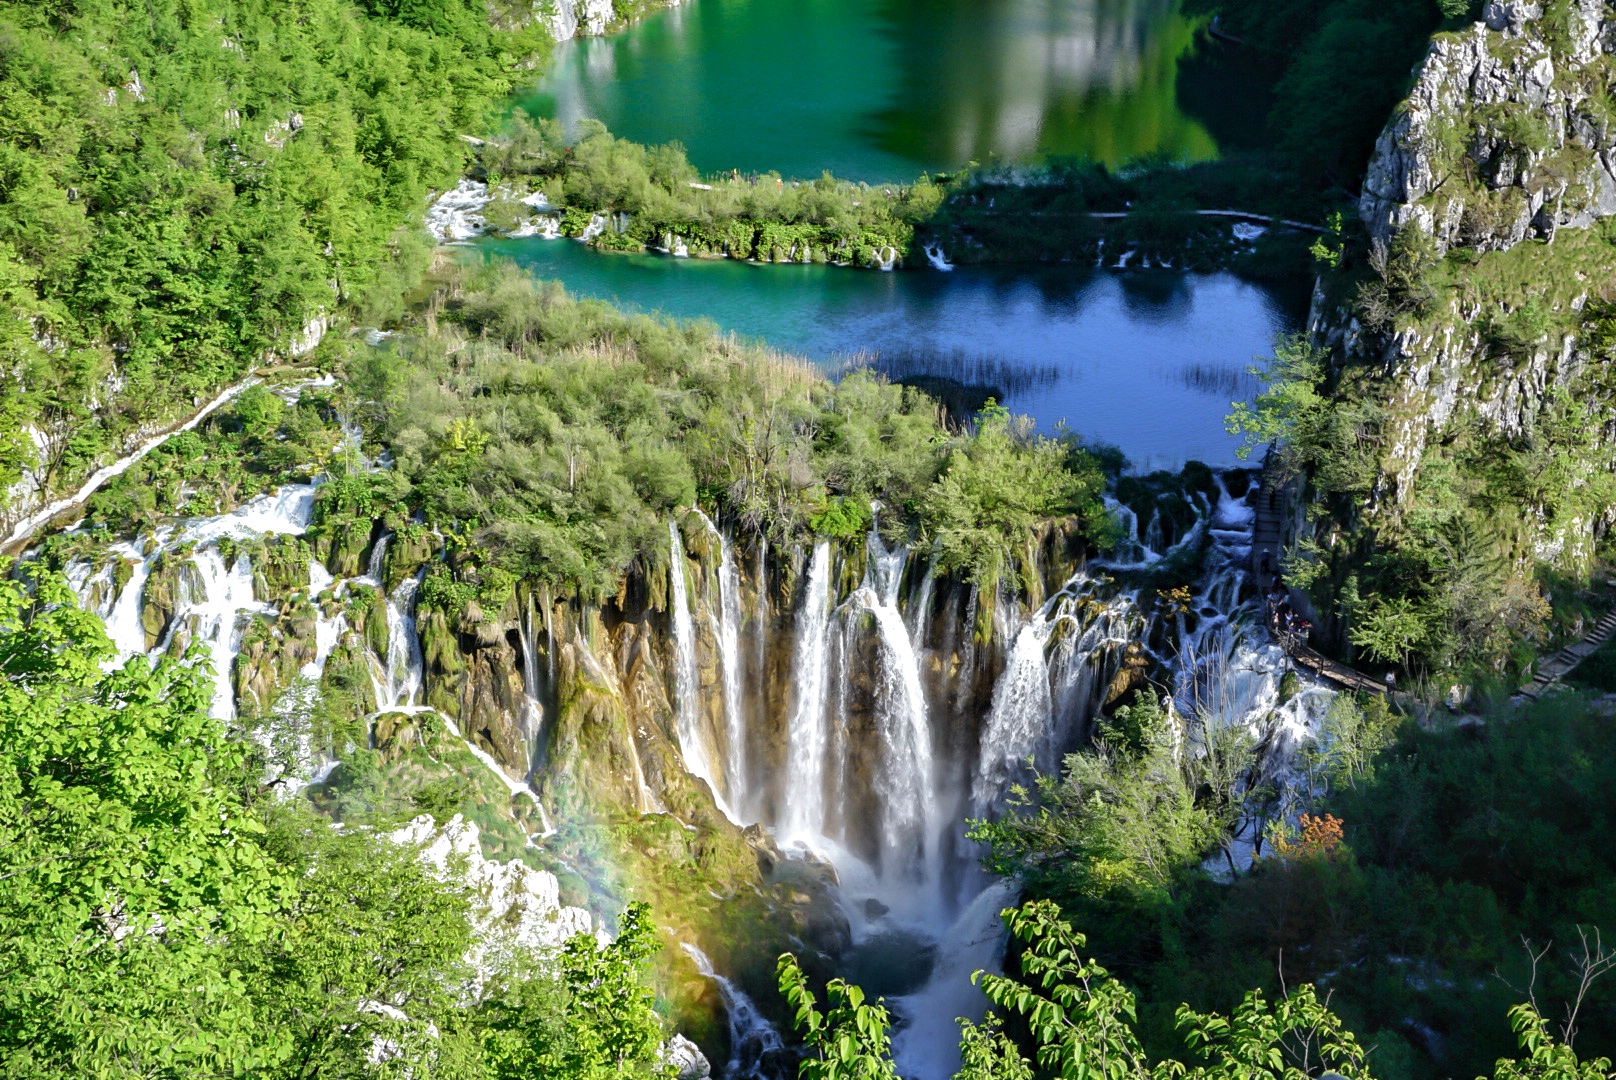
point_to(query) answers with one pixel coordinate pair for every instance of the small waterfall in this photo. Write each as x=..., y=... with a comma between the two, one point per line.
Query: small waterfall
x=920, y=610
x=1020, y=716
x=328, y=629
x=806, y=738
x=905, y=781
x=375, y=569
x=729, y=655
x=687, y=678
x=225, y=594
x=927, y=1048
x=753, y=1041
x=402, y=678
x=123, y=618
x=935, y=256
x=532, y=710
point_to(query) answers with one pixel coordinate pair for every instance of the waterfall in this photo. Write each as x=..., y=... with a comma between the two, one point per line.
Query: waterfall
x=402, y=677
x=905, y=781
x=726, y=626
x=226, y=593
x=378, y=561
x=328, y=629
x=753, y=1041
x=729, y=654
x=532, y=710
x=806, y=737
x=935, y=256
x=687, y=678
x=1019, y=717
x=123, y=618
x=927, y=1047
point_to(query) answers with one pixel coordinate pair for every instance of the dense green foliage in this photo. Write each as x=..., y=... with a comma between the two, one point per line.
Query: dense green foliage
x=763, y=218
x=1408, y=893
x=163, y=917
x=183, y=186
x=549, y=439
x=1083, y=1022
x=1345, y=64
x=1446, y=583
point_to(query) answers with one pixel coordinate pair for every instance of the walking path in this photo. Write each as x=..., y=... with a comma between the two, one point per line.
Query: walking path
x=1267, y=544
x=1557, y=665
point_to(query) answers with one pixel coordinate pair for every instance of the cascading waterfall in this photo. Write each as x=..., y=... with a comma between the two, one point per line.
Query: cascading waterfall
x=213, y=596
x=905, y=780
x=804, y=815
x=754, y=1043
x=882, y=712
x=727, y=630
x=401, y=681
x=532, y=711
x=687, y=679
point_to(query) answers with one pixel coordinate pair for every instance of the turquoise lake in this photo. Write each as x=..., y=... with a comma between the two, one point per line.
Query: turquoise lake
x=882, y=89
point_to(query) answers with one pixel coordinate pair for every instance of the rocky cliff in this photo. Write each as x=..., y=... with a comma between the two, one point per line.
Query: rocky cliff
x=1507, y=133
x=1483, y=317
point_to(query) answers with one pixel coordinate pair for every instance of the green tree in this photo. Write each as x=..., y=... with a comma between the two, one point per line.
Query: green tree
x=850, y=1042
x=585, y=1014
x=1290, y=408
x=123, y=862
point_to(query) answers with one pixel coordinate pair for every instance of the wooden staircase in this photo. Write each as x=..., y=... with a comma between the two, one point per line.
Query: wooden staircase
x=1557, y=665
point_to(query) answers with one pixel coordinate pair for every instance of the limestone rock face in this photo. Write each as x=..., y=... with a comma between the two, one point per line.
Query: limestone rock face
x=1503, y=162
x=686, y=1058
x=515, y=908
x=1502, y=137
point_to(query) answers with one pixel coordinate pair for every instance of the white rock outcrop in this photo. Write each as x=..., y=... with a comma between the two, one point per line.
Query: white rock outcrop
x=515, y=908
x=1503, y=136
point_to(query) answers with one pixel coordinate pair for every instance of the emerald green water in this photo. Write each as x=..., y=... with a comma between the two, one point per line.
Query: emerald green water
x=883, y=89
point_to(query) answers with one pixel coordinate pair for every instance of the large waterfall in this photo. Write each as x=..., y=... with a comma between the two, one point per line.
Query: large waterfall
x=806, y=737
x=843, y=696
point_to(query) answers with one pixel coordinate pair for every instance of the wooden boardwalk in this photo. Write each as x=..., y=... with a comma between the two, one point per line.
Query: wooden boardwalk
x=1267, y=545
x=1557, y=665
x=1340, y=674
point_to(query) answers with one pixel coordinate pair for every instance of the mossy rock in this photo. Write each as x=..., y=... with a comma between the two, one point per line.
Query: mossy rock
x=344, y=548
x=281, y=568
x=407, y=552
x=159, y=599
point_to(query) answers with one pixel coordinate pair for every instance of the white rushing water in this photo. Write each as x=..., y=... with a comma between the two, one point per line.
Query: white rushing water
x=693, y=742
x=212, y=598
x=806, y=739
x=729, y=657
x=400, y=682
x=754, y=1044
x=905, y=779
x=927, y=1046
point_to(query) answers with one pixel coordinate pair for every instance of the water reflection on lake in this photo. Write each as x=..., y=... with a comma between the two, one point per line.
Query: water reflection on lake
x=881, y=89
x=1149, y=361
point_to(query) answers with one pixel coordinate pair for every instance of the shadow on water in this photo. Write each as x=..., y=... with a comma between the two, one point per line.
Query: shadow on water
x=963, y=382
x=1160, y=296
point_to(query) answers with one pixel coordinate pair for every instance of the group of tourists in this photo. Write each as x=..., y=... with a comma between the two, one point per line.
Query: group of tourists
x=1287, y=625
